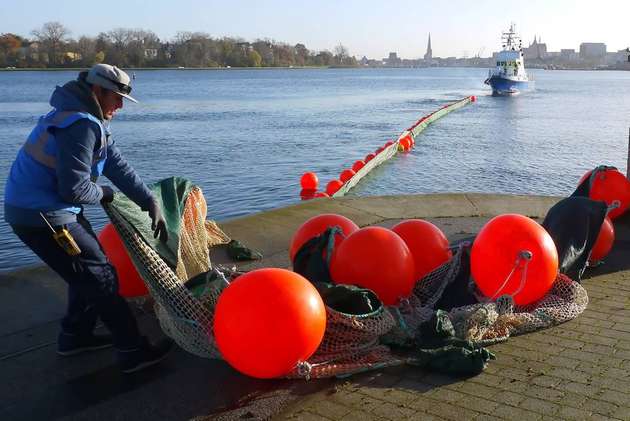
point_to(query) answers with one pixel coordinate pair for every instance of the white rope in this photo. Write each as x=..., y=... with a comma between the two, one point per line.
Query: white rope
x=525, y=255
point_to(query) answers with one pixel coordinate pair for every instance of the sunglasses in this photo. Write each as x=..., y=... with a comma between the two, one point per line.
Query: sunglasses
x=125, y=89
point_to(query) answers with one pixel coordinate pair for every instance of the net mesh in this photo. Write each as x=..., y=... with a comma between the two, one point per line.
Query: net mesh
x=493, y=321
x=186, y=318
x=352, y=343
x=192, y=255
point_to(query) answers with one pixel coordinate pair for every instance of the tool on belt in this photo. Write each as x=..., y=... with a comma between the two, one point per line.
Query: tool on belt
x=64, y=239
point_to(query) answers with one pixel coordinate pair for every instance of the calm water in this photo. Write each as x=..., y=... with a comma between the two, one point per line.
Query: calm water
x=246, y=136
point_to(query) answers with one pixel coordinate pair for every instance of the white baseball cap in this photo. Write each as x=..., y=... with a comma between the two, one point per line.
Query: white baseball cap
x=112, y=78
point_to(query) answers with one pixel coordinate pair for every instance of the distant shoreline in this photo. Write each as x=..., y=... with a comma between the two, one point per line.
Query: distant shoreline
x=132, y=69
x=61, y=69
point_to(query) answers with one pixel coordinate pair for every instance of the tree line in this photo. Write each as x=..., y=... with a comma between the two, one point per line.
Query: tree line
x=52, y=47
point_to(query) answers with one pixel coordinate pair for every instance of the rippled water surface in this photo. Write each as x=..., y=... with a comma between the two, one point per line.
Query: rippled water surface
x=246, y=136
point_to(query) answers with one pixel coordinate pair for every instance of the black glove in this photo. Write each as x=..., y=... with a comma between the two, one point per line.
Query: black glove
x=108, y=195
x=158, y=223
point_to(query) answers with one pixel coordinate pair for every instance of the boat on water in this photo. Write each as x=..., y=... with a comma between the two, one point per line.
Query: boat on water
x=509, y=76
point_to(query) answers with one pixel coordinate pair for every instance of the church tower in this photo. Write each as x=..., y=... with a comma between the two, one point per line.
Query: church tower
x=429, y=53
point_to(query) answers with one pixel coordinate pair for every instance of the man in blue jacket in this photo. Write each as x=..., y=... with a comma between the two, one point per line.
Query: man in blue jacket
x=53, y=176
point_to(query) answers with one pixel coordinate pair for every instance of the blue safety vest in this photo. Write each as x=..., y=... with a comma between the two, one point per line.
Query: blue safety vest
x=32, y=182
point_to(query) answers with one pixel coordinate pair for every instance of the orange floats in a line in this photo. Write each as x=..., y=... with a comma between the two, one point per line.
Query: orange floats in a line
x=309, y=181
x=358, y=165
x=333, y=186
x=346, y=175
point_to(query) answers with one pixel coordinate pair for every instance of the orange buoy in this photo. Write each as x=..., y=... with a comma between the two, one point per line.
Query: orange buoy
x=358, y=165
x=604, y=242
x=405, y=143
x=375, y=258
x=514, y=255
x=267, y=321
x=316, y=226
x=346, y=175
x=333, y=186
x=585, y=176
x=130, y=284
x=427, y=244
x=306, y=194
x=369, y=157
x=612, y=187
x=321, y=194
x=309, y=181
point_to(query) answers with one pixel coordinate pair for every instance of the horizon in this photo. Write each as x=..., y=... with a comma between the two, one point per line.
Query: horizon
x=365, y=28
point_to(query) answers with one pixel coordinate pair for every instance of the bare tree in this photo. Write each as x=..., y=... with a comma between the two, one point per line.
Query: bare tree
x=341, y=54
x=301, y=54
x=86, y=47
x=116, y=41
x=141, y=41
x=52, y=36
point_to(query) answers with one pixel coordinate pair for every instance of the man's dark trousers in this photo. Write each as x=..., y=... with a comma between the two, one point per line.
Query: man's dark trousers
x=92, y=282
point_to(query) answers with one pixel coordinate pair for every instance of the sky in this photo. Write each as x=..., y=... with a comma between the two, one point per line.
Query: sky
x=366, y=27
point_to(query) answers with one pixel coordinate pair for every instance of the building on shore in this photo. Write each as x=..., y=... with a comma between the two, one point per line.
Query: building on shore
x=393, y=60
x=428, y=56
x=537, y=50
x=593, y=51
x=568, y=55
x=618, y=58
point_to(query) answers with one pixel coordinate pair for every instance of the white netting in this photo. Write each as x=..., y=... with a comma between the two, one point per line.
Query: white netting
x=352, y=343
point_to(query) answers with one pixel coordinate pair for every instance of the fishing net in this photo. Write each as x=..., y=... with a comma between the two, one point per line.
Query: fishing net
x=488, y=322
x=352, y=339
x=186, y=290
x=184, y=315
x=354, y=343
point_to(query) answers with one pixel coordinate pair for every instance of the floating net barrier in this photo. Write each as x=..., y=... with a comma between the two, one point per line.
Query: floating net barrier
x=390, y=151
x=361, y=337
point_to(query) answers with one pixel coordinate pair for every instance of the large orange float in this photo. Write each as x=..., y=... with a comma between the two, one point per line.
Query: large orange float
x=316, y=226
x=267, y=321
x=427, y=243
x=378, y=259
x=514, y=255
x=604, y=242
x=130, y=284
